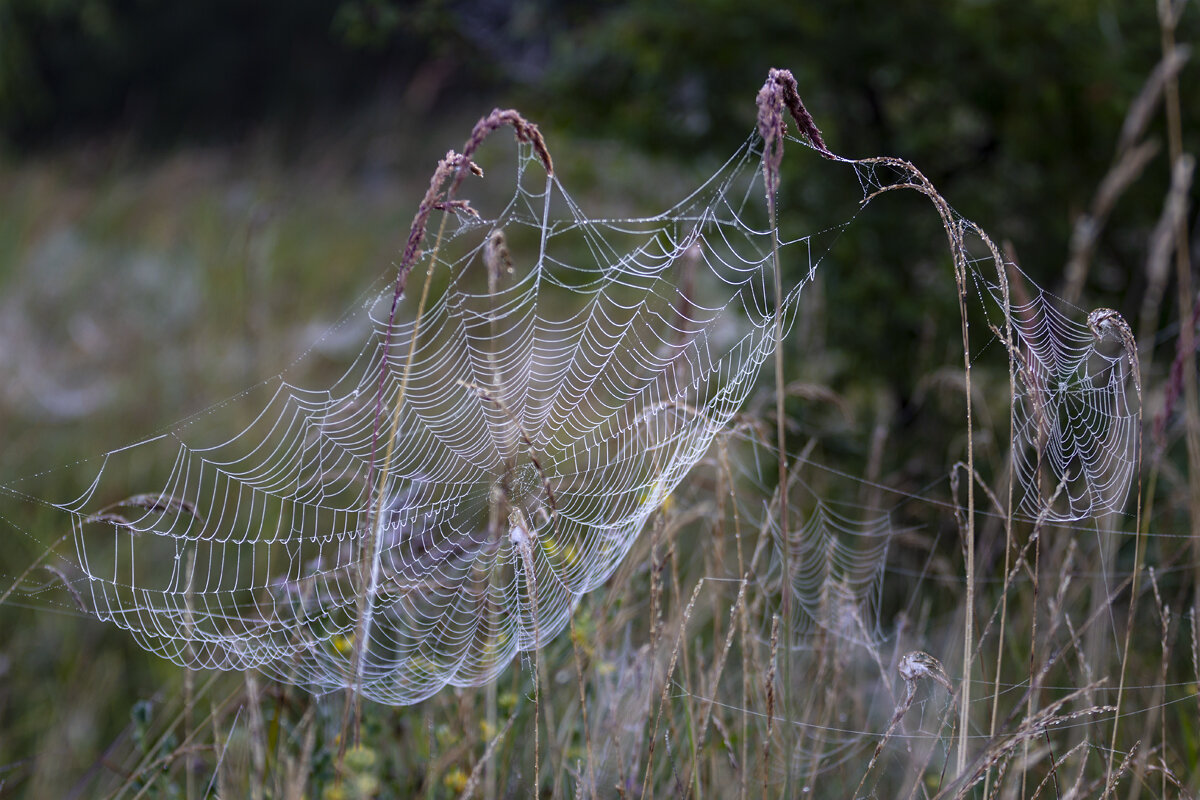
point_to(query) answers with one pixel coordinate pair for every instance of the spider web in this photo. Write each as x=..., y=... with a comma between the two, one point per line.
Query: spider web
x=1074, y=376
x=1076, y=437
x=490, y=457
x=532, y=430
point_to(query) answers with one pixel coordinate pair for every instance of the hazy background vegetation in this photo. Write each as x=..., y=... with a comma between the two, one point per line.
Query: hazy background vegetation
x=188, y=188
x=1012, y=109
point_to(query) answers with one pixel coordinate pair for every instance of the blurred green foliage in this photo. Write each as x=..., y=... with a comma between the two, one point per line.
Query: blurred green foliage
x=196, y=69
x=1011, y=109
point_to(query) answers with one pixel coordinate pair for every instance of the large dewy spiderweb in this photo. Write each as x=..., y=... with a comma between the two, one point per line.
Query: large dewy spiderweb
x=492, y=453
x=476, y=470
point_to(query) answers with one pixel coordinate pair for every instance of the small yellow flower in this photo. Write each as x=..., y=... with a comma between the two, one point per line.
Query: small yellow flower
x=343, y=644
x=455, y=780
x=488, y=729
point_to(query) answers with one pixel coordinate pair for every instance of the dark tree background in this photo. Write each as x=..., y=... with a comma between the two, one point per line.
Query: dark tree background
x=1012, y=109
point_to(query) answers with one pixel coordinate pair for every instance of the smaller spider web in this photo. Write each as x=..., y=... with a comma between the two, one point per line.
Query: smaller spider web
x=839, y=572
x=1076, y=416
x=1075, y=386
x=839, y=557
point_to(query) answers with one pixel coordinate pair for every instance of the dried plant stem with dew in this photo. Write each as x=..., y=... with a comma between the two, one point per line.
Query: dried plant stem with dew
x=443, y=186
x=779, y=92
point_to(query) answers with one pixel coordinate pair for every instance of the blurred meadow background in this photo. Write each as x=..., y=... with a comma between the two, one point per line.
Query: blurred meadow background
x=192, y=194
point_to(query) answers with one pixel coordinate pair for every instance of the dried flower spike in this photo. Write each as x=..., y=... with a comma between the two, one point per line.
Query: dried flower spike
x=1105, y=323
x=917, y=665
x=777, y=93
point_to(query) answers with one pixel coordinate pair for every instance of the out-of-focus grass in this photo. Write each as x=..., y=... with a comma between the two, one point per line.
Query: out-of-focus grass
x=133, y=292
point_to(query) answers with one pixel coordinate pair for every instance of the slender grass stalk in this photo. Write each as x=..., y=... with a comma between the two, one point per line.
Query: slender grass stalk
x=713, y=684
x=662, y=702
x=779, y=92
x=374, y=541
x=487, y=758
x=785, y=534
x=1002, y=271
x=525, y=549
x=964, y=718
x=498, y=262
x=1139, y=554
x=189, y=679
x=149, y=762
x=744, y=618
x=489, y=784
x=32, y=566
x=449, y=175
x=955, y=233
x=769, y=690
x=593, y=789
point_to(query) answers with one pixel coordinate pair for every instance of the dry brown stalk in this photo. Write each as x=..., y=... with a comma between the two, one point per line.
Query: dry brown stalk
x=497, y=260
x=299, y=770
x=662, y=702
x=1033, y=726
x=723, y=456
x=525, y=131
x=1141, y=110
x=1155, y=706
x=956, y=231
x=1162, y=244
x=769, y=687
x=1125, y=170
x=1058, y=763
x=1114, y=778
x=151, y=762
x=593, y=788
x=1105, y=323
x=714, y=681
x=913, y=667
x=1139, y=549
x=658, y=563
x=1195, y=649
x=1129, y=162
x=486, y=758
x=452, y=168
x=1174, y=389
x=451, y=164
x=779, y=92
